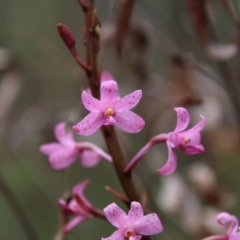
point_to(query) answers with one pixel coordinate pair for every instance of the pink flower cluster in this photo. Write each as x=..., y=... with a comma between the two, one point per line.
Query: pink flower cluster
x=115, y=111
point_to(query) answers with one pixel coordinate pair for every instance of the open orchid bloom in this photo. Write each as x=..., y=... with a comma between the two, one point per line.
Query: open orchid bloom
x=133, y=225
x=78, y=206
x=188, y=141
x=233, y=231
x=64, y=152
x=110, y=110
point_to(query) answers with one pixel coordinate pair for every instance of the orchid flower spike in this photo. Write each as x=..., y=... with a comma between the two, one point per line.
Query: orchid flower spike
x=78, y=207
x=133, y=225
x=188, y=141
x=110, y=110
x=63, y=153
x=233, y=231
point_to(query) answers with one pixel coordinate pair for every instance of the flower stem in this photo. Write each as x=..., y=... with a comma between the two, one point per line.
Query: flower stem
x=91, y=40
x=161, y=138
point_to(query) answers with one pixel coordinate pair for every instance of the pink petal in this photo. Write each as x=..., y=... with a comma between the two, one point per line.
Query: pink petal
x=194, y=137
x=96, y=149
x=196, y=149
x=49, y=148
x=197, y=128
x=73, y=223
x=128, y=102
x=129, y=121
x=62, y=135
x=117, y=235
x=106, y=76
x=115, y=215
x=137, y=237
x=217, y=237
x=62, y=158
x=89, y=158
x=172, y=139
x=109, y=91
x=171, y=163
x=64, y=205
x=79, y=189
x=135, y=212
x=234, y=236
x=225, y=218
x=90, y=103
x=90, y=124
x=148, y=225
x=183, y=119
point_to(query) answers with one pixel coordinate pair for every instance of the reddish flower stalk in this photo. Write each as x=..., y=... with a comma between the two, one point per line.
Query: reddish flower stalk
x=161, y=138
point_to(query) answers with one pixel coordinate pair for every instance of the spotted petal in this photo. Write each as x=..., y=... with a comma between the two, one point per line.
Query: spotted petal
x=106, y=76
x=183, y=119
x=195, y=149
x=171, y=163
x=128, y=102
x=148, y=225
x=135, y=212
x=90, y=124
x=129, y=121
x=109, y=91
x=90, y=103
x=115, y=215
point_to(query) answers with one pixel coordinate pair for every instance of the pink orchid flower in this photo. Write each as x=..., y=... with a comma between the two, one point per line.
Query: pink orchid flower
x=64, y=152
x=110, y=110
x=79, y=207
x=188, y=141
x=233, y=231
x=133, y=225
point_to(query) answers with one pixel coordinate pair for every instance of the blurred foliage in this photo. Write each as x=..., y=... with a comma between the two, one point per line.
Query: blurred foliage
x=49, y=92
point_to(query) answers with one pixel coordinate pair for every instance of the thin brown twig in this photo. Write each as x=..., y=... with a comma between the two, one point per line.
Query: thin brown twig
x=118, y=195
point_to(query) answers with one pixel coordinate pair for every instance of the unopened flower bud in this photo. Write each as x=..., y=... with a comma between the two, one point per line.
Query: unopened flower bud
x=66, y=35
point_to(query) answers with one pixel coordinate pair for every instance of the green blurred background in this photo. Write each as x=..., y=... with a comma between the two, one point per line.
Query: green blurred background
x=40, y=85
